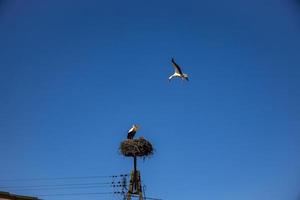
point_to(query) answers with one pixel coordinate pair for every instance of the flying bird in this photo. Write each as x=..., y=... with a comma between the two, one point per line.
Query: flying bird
x=132, y=131
x=178, y=72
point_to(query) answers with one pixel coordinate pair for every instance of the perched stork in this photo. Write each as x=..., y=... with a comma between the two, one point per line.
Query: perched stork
x=178, y=72
x=132, y=131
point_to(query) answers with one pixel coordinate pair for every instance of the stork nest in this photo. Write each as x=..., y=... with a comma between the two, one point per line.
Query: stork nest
x=136, y=148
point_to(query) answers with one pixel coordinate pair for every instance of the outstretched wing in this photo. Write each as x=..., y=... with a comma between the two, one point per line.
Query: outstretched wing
x=177, y=68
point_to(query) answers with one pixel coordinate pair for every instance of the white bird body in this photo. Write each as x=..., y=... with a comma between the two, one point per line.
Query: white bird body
x=183, y=76
x=178, y=73
x=132, y=131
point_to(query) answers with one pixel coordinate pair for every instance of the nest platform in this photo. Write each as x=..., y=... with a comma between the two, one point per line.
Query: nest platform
x=139, y=147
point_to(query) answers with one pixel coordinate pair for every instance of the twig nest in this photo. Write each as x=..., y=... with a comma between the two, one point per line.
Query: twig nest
x=136, y=147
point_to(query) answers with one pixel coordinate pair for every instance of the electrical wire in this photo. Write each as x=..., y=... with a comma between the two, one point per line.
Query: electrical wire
x=64, y=188
x=69, y=186
x=57, y=185
x=64, y=178
x=68, y=194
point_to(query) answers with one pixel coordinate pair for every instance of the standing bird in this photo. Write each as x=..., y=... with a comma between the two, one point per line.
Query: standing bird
x=178, y=72
x=132, y=131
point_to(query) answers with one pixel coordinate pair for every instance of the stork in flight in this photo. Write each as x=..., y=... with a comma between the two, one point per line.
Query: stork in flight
x=178, y=72
x=132, y=131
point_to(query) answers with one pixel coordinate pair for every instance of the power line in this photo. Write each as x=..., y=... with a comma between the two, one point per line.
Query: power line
x=57, y=185
x=68, y=194
x=65, y=188
x=113, y=183
x=64, y=178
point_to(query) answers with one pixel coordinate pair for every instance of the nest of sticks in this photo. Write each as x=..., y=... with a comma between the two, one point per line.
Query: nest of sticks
x=136, y=148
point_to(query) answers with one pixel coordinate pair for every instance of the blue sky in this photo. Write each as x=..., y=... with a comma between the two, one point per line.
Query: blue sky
x=75, y=75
